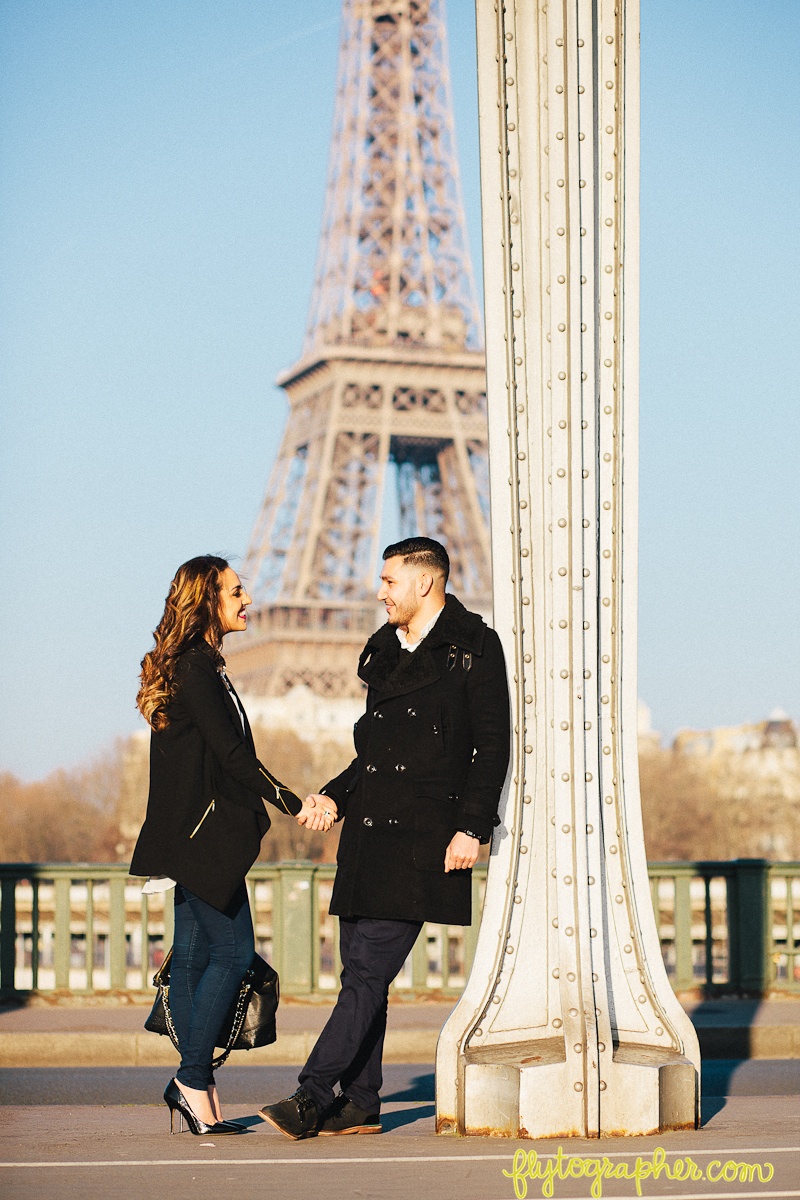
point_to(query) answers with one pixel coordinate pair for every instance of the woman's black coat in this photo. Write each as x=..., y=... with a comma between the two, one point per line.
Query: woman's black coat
x=432, y=755
x=205, y=813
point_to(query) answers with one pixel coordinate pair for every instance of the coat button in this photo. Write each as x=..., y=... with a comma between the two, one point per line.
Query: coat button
x=371, y=768
x=368, y=821
x=436, y=729
x=378, y=715
x=400, y=767
x=412, y=712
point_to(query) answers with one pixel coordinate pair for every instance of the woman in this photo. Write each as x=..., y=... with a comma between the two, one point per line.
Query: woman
x=205, y=819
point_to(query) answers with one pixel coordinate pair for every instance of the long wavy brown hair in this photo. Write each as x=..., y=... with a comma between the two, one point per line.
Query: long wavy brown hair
x=191, y=612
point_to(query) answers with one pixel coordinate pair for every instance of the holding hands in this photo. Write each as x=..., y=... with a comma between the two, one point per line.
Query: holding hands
x=318, y=812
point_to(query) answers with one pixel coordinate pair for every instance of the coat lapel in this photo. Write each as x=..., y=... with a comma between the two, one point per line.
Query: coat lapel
x=230, y=692
x=248, y=733
x=390, y=671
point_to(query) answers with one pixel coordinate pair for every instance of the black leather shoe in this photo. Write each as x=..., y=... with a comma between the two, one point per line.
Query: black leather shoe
x=297, y=1116
x=346, y=1117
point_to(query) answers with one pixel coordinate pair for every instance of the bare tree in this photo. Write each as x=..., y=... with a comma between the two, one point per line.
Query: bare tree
x=304, y=767
x=694, y=807
x=680, y=808
x=736, y=805
x=67, y=817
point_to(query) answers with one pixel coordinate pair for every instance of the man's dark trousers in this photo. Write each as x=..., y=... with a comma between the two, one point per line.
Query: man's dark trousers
x=350, y=1048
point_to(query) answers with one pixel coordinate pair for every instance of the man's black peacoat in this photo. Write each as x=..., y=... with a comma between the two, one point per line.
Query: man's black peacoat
x=432, y=754
x=205, y=813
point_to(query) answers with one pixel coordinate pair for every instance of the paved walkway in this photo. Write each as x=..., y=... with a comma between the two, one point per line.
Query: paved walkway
x=127, y=1153
x=78, y=1132
x=81, y=1119
x=62, y=1036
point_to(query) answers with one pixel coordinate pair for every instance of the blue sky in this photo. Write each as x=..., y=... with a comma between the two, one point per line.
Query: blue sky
x=162, y=170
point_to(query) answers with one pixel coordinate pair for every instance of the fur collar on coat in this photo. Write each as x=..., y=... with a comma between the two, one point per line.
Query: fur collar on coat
x=385, y=668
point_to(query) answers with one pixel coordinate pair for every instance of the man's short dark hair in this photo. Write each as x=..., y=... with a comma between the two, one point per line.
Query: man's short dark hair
x=421, y=552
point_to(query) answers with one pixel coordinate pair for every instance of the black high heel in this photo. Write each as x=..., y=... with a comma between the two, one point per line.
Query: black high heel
x=177, y=1102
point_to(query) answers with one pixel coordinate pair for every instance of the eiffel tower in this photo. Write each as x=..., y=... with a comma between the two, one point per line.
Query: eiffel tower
x=387, y=402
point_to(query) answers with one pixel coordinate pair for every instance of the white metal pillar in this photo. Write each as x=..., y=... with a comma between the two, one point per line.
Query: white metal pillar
x=568, y=1025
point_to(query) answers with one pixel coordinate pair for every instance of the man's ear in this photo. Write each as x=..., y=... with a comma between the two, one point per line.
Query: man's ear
x=424, y=583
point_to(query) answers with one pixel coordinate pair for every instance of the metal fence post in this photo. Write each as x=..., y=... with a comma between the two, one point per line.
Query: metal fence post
x=419, y=961
x=297, y=928
x=749, y=926
x=684, y=960
x=791, y=947
x=145, y=935
x=471, y=931
x=35, y=935
x=708, y=920
x=88, y=940
x=62, y=953
x=337, y=950
x=8, y=933
x=169, y=920
x=116, y=932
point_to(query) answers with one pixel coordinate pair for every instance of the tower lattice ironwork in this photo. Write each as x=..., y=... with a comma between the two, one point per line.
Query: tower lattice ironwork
x=389, y=393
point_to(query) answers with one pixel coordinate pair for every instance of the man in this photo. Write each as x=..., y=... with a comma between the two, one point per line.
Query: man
x=417, y=801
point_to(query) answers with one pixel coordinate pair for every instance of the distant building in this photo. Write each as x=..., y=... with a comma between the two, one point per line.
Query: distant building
x=778, y=732
x=310, y=716
x=754, y=772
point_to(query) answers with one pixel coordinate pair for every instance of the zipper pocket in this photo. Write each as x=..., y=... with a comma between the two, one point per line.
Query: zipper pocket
x=200, y=822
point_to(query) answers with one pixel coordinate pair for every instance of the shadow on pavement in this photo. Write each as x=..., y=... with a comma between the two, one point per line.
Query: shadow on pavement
x=725, y=1033
x=725, y=1027
x=253, y=1122
x=396, y=1120
x=419, y=1087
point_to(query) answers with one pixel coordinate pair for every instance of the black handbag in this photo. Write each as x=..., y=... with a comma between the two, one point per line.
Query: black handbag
x=250, y=1020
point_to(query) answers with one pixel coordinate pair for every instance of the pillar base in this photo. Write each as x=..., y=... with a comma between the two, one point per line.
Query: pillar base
x=644, y=1091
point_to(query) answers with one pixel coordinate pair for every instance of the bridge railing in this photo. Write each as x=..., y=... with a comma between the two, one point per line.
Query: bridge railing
x=725, y=927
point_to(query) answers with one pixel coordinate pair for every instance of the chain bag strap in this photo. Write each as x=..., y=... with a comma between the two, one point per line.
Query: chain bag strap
x=250, y=1021
x=239, y=1015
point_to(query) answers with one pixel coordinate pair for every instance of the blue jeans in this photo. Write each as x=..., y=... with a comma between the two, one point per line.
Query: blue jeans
x=350, y=1048
x=211, y=952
